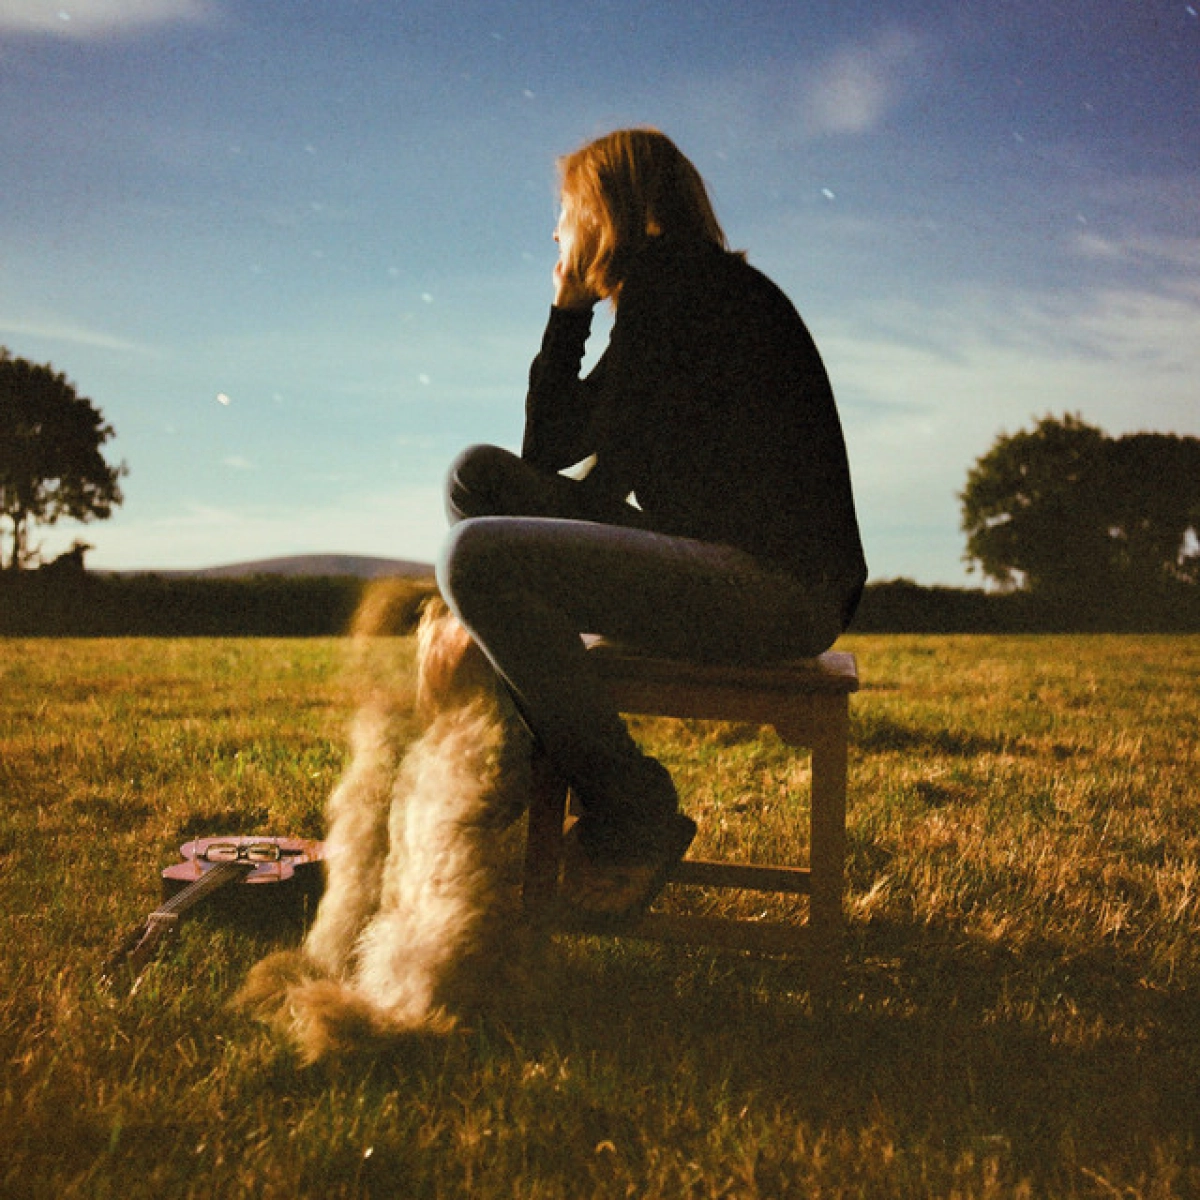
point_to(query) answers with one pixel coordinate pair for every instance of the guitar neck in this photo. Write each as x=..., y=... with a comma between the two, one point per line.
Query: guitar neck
x=138, y=949
x=217, y=876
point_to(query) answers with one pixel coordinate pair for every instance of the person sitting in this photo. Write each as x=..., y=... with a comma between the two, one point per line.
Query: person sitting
x=716, y=522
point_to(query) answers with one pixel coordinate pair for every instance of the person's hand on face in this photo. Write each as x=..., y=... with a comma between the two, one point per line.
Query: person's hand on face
x=570, y=291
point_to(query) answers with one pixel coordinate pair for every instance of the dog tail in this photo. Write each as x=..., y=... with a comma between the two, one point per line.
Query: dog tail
x=324, y=1018
x=391, y=607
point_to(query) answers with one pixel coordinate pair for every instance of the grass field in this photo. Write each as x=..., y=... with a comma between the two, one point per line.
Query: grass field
x=1019, y=1014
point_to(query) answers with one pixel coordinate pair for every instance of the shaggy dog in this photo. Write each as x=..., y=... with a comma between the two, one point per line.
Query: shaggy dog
x=418, y=925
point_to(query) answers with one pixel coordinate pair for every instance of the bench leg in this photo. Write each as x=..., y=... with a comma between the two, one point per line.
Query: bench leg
x=827, y=853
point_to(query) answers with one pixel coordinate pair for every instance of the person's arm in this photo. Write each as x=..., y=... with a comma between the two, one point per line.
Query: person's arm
x=647, y=399
x=559, y=405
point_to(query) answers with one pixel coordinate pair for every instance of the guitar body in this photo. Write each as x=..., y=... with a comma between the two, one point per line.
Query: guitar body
x=296, y=870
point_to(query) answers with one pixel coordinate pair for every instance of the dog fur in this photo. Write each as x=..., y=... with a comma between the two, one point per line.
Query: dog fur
x=419, y=924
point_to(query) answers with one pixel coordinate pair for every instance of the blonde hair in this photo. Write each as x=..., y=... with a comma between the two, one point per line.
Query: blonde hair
x=625, y=188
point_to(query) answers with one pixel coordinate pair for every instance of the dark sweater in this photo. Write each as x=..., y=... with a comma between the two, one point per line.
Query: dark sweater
x=712, y=406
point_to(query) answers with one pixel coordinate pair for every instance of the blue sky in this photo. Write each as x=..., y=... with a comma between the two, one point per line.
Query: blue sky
x=299, y=253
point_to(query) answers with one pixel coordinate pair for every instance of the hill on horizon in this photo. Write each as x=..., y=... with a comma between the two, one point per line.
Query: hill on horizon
x=357, y=566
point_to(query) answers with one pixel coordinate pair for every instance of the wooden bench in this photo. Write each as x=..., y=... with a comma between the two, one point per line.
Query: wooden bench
x=807, y=702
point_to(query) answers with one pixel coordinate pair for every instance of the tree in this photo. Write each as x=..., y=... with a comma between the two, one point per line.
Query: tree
x=1034, y=509
x=1068, y=512
x=50, y=460
x=1155, y=484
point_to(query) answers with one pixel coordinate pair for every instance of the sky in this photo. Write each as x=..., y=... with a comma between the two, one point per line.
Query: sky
x=300, y=253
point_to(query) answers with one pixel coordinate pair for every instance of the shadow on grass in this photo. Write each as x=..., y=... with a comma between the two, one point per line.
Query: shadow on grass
x=1052, y=1067
x=878, y=734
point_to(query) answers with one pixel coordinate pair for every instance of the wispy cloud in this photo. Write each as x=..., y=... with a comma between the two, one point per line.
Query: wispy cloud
x=54, y=329
x=849, y=91
x=920, y=409
x=97, y=18
x=859, y=85
x=406, y=521
x=1124, y=357
x=1180, y=254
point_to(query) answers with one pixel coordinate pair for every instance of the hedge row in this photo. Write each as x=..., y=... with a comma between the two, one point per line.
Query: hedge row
x=87, y=605
x=40, y=604
x=900, y=606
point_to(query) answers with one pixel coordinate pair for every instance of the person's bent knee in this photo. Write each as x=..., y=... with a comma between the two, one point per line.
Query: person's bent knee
x=473, y=478
x=467, y=565
x=481, y=459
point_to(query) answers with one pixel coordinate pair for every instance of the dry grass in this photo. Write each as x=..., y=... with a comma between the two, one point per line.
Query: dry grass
x=1020, y=1012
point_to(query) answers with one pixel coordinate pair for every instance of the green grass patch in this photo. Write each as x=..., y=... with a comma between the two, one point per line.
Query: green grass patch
x=1019, y=1012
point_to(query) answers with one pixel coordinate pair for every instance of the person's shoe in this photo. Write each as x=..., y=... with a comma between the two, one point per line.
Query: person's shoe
x=604, y=892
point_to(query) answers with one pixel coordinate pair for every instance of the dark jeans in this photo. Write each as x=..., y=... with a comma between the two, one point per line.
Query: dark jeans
x=528, y=568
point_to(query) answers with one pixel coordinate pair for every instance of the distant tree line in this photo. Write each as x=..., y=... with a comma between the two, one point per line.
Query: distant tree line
x=903, y=606
x=53, y=604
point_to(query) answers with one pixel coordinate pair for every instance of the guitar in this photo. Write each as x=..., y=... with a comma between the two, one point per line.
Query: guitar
x=206, y=866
